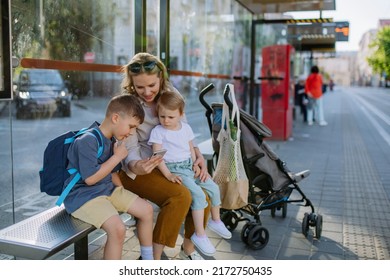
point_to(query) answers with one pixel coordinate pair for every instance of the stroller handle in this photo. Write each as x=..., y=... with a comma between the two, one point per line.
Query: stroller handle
x=209, y=110
x=227, y=99
x=203, y=93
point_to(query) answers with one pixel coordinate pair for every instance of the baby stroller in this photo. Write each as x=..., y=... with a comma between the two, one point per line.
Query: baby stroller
x=270, y=181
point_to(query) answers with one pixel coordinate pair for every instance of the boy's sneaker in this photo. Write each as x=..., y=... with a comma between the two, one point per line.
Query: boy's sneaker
x=194, y=256
x=219, y=228
x=203, y=244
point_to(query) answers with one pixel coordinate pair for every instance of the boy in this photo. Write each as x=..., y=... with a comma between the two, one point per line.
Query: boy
x=99, y=195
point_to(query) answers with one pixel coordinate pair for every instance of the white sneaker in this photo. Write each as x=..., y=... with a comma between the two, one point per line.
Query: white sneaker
x=203, y=244
x=310, y=123
x=219, y=228
x=194, y=256
x=323, y=123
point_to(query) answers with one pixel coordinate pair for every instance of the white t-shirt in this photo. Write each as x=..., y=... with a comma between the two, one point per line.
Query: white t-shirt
x=176, y=142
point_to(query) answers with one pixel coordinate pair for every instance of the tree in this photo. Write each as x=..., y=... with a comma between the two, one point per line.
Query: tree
x=380, y=59
x=60, y=30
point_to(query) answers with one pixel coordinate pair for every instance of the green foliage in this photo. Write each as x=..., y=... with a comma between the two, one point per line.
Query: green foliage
x=380, y=59
x=59, y=30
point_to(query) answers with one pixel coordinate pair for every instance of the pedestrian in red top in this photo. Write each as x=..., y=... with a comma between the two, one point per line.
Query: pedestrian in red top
x=313, y=89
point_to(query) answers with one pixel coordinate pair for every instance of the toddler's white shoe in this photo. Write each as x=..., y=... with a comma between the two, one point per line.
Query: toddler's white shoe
x=219, y=228
x=203, y=244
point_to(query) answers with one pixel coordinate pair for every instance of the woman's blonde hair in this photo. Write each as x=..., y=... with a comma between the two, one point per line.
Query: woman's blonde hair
x=141, y=58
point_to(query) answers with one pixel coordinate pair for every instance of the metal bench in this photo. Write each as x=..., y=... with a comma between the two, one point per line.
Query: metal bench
x=206, y=148
x=51, y=231
x=45, y=234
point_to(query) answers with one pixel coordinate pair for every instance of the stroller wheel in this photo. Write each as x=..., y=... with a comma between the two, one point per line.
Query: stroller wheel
x=318, y=226
x=245, y=231
x=305, y=224
x=258, y=237
x=282, y=206
x=230, y=219
x=273, y=211
x=284, y=209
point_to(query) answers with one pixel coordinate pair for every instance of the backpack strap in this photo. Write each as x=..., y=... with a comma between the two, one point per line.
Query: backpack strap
x=99, y=138
x=95, y=132
x=71, y=184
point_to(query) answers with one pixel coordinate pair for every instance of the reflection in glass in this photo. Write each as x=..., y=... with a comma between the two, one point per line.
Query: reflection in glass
x=60, y=31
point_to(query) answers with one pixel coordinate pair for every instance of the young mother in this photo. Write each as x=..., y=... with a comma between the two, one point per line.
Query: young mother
x=146, y=76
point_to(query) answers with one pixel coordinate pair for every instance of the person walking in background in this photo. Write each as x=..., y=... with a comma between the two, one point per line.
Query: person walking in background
x=300, y=97
x=331, y=84
x=176, y=137
x=146, y=77
x=313, y=89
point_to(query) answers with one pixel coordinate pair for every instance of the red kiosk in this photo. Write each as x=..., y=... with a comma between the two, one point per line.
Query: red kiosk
x=277, y=90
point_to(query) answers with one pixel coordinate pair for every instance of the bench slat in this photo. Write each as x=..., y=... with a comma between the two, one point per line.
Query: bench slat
x=43, y=235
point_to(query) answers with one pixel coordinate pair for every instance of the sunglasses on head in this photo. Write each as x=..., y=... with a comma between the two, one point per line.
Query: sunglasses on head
x=148, y=66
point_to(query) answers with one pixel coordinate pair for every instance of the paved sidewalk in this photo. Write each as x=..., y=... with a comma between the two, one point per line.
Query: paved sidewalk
x=348, y=186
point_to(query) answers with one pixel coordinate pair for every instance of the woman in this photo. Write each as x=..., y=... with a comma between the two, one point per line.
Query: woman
x=146, y=76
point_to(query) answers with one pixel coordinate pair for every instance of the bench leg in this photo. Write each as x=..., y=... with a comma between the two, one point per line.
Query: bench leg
x=81, y=249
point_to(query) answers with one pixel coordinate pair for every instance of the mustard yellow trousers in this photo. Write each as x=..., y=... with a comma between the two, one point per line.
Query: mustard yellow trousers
x=174, y=201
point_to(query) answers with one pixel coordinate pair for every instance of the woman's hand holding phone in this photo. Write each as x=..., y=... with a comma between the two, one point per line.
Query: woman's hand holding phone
x=159, y=153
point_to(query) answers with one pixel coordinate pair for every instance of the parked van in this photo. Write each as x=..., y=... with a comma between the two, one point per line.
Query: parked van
x=41, y=92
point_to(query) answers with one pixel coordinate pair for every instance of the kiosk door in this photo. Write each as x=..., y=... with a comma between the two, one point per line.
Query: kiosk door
x=277, y=90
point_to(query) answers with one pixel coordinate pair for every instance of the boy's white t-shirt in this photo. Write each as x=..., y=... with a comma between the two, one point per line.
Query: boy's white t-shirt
x=176, y=142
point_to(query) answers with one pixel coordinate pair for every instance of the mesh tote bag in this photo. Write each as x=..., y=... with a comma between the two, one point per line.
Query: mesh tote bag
x=230, y=173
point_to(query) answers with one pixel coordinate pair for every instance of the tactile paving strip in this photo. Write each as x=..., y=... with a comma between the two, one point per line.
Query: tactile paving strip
x=366, y=234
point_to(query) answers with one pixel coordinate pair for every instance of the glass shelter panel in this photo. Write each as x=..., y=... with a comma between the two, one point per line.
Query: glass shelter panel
x=70, y=55
x=83, y=44
x=209, y=43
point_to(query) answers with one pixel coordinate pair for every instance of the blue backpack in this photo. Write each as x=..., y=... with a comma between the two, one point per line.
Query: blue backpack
x=55, y=163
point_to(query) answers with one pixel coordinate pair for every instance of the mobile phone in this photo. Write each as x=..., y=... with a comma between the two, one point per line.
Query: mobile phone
x=160, y=153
